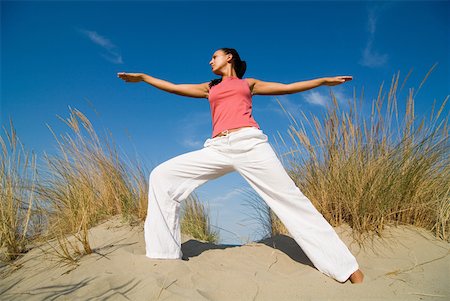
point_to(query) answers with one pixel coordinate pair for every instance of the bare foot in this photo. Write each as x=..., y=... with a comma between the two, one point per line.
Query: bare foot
x=356, y=277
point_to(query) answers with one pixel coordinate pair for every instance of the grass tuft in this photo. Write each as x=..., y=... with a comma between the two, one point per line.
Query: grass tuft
x=376, y=170
x=85, y=183
x=195, y=220
x=19, y=216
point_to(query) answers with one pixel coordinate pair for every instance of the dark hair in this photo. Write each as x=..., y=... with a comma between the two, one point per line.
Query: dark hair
x=239, y=66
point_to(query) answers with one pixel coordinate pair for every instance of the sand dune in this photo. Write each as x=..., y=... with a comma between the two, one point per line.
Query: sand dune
x=407, y=264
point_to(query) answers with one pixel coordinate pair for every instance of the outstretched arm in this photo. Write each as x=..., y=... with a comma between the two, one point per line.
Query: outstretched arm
x=191, y=90
x=272, y=88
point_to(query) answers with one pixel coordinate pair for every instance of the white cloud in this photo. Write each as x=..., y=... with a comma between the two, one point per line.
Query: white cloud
x=322, y=99
x=227, y=197
x=316, y=98
x=188, y=141
x=313, y=97
x=195, y=129
x=341, y=97
x=372, y=22
x=291, y=106
x=215, y=201
x=112, y=52
x=370, y=58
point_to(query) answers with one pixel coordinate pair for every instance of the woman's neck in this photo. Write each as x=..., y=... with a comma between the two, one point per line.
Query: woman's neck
x=229, y=76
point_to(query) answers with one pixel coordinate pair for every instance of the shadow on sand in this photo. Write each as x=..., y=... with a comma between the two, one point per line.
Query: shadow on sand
x=284, y=243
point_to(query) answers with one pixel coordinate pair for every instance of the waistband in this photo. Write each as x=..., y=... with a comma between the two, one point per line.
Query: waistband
x=231, y=132
x=243, y=134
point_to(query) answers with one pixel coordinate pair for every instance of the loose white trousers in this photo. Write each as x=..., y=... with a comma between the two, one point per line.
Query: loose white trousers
x=248, y=152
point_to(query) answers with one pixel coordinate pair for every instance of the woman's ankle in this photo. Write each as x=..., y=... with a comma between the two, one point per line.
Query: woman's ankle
x=356, y=277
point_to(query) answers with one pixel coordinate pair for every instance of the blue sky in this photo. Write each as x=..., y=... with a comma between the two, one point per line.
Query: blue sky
x=56, y=54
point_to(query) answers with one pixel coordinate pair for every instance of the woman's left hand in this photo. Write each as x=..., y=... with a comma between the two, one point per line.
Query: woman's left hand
x=337, y=80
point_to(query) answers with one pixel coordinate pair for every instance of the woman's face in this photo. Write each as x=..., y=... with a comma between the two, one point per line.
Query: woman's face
x=219, y=61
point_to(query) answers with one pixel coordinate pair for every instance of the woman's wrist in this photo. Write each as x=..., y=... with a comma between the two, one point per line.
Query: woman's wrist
x=144, y=77
x=324, y=81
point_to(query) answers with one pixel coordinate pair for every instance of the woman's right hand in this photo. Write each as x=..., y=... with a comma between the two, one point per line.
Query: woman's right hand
x=130, y=77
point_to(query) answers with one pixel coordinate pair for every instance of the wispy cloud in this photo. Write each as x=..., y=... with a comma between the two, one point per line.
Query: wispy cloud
x=289, y=104
x=323, y=99
x=112, y=53
x=220, y=200
x=313, y=97
x=191, y=142
x=341, y=96
x=316, y=98
x=195, y=128
x=370, y=58
x=227, y=197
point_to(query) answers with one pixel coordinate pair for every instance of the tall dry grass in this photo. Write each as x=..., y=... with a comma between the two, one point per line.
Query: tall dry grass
x=85, y=183
x=369, y=172
x=269, y=223
x=195, y=220
x=19, y=216
x=386, y=168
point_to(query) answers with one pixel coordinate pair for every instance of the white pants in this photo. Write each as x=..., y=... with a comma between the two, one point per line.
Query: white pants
x=248, y=152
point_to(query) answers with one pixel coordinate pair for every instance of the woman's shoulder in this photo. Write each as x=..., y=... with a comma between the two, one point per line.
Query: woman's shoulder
x=251, y=82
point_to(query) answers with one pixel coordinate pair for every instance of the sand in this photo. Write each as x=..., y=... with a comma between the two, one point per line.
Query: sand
x=406, y=264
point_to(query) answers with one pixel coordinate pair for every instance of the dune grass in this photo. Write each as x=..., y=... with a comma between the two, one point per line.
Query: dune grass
x=369, y=172
x=195, y=220
x=269, y=223
x=85, y=182
x=19, y=217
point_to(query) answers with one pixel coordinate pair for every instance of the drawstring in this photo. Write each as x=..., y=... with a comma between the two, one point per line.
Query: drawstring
x=226, y=134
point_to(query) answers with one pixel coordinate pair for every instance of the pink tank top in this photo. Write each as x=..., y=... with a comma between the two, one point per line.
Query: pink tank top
x=231, y=105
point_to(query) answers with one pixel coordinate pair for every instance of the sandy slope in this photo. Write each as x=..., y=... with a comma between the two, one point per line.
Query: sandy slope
x=408, y=264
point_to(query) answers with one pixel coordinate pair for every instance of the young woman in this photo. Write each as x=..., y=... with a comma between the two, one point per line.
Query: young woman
x=238, y=144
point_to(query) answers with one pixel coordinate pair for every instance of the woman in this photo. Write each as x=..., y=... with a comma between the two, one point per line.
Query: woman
x=238, y=144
